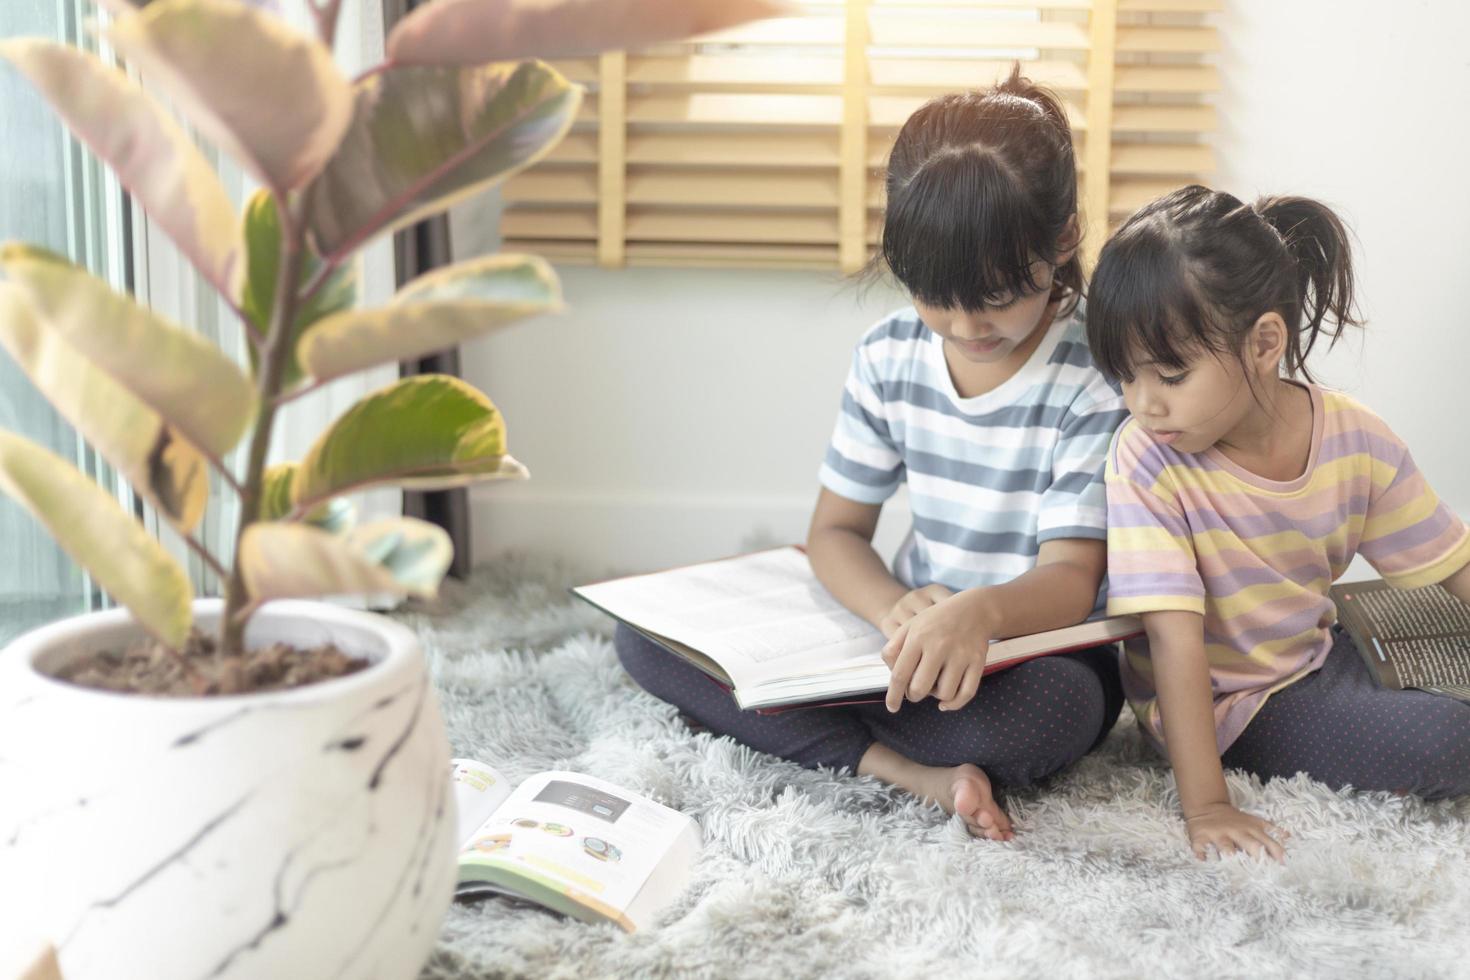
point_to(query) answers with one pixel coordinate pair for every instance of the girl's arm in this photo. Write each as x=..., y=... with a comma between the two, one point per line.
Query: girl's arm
x=1458, y=585
x=839, y=545
x=1182, y=678
x=1059, y=591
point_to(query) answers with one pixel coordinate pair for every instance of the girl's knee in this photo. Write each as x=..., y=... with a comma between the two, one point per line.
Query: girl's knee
x=1018, y=770
x=1437, y=764
x=1421, y=746
x=1067, y=711
x=1072, y=700
x=644, y=660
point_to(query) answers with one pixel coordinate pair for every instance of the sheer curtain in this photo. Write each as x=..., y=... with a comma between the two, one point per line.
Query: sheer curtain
x=53, y=194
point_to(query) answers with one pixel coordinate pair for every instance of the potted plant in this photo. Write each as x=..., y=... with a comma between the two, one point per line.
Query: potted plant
x=303, y=831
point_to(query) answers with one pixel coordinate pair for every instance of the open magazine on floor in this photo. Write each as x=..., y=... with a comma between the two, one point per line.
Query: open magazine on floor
x=1416, y=638
x=572, y=843
x=764, y=627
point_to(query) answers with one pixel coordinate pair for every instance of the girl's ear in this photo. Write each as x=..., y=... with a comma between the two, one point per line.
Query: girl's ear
x=1266, y=344
x=1067, y=245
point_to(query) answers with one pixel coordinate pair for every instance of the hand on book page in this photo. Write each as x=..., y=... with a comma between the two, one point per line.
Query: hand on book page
x=941, y=651
x=767, y=630
x=910, y=604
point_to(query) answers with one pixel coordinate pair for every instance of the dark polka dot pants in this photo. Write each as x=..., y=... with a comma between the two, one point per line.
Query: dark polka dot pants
x=1340, y=727
x=1026, y=722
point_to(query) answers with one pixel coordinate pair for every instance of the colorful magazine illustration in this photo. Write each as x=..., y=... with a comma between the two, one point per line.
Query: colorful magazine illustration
x=572, y=843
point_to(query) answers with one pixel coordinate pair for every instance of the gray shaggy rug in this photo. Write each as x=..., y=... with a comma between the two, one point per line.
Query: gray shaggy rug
x=815, y=874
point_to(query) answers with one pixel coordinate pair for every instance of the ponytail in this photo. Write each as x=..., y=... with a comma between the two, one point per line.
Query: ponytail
x=1317, y=242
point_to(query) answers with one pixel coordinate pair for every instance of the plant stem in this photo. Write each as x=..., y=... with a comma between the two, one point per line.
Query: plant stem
x=326, y=19
x=209, y=559
x=249, y=610
x=274, y=356
x=224, y=472
x=315, y=283
x=274, y=352
x=303, y=391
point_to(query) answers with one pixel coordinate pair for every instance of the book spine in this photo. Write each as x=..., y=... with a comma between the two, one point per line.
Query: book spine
x=1365, y=638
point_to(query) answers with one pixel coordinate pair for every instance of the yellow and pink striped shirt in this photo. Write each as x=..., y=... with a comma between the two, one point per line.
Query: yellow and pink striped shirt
x=1197, y=532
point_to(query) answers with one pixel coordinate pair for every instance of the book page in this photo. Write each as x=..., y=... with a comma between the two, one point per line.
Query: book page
x=1411, y=638
x=759, y=616
x=568, y=835
x=478, y=790
x=1396, y=614
x=1432, y=662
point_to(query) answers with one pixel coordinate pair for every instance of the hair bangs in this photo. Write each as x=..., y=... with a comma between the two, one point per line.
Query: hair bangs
x=1142, y=307
x=962, y=234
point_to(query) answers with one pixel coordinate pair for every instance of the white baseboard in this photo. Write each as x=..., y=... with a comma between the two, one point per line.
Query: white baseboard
x=606, y=533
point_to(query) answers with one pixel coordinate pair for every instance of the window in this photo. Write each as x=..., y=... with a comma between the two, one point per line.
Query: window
x=765, y=145
x=55, y=195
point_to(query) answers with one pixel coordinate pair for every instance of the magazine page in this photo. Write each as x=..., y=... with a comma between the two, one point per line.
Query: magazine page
x=761, y=616
x=1411, y=614
x=478, y=790
x=582, y=846
x=1416, y=638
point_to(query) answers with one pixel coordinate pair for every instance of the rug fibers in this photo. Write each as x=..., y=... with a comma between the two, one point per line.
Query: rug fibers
x=816, y=874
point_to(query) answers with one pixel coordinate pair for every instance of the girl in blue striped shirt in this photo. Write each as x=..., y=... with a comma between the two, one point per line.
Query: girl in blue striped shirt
x=982, y=398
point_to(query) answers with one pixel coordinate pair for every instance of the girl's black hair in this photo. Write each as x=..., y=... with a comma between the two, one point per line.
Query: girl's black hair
x=980, y=185
x=1194, y=270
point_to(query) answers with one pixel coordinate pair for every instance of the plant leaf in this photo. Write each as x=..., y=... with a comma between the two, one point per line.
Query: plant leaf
x=181, y=376
x=400, y=556
x=275, y=491
x=427, y=432
x=152, y=156
x=150, y=454
x=118, y=8
x=121, y=8
x=437, y=310
x=263, y=263
x=470, y=32
x=270, y=97
x=89, y=525
x=335, y=515
x=423, y=138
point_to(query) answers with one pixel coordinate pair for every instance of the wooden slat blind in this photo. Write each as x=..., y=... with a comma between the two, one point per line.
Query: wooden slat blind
x=1161, y=113
x=765, y=145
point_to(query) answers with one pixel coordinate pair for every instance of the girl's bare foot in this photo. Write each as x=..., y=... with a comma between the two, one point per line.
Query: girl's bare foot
x=970, y=796
x=964, y=790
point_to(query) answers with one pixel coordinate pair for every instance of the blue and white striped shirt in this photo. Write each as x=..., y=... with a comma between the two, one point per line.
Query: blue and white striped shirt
x=990, y=477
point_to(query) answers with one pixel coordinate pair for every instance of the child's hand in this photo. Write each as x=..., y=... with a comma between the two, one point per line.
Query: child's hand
x=910, y=605
x=1229, y=830
x=938, y=650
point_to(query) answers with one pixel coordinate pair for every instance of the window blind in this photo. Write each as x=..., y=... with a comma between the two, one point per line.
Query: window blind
x=765, y=145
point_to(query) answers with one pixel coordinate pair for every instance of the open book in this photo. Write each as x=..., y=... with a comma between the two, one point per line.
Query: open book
x=575, y=844
x=765, y=628
x=1409, y=637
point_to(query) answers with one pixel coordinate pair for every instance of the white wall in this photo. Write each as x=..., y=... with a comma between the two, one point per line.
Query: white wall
x=674, y=415
x=670, y=415
x=1362, y=105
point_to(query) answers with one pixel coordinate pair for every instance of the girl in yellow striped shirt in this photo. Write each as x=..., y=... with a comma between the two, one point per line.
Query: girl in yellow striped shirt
x=1236, y=495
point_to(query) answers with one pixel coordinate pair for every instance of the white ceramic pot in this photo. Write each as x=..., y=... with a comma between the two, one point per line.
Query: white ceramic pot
x=300, y=834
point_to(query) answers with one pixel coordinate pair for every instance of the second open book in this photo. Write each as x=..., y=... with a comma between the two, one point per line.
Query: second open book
x=764, y=627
